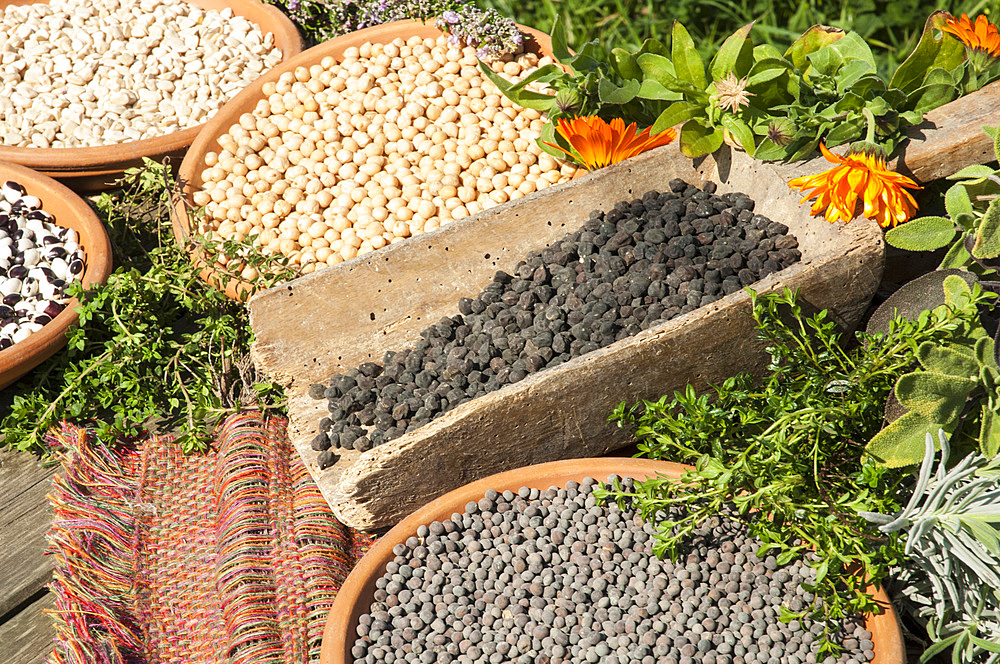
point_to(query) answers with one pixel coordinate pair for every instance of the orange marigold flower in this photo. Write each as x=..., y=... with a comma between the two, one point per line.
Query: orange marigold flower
x=859, y=177
x=981, y=39
x=597, y=143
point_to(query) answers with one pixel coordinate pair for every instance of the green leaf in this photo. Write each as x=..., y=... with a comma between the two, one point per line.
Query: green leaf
x=660, y=69
x=957, y=257
x=826, y=61
x=741, y=131
x=901, y=443
x=769, y=151
x=521, y=97
x=853, y=47
x=653, y=46
x=735, y=55
x=560, y=49
x=696, y=139
x=675, y=114
x=946, y=52
x=609, y=93
x=945, y=360
x=977, y=173
x=996, y=140
x=684, y=55
x=625, y=64
x=809, y=42
x=989, y=433
x=937, y=396
x=988, y=235
x=767, y=70
x=851, y=73
x=957, y=201
x=653, y=89
x=984, y=353
x=922, y=234
x=957, y=293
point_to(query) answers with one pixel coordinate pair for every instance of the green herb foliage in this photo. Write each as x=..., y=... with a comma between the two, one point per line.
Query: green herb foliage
x=949, y=576
x=156, y=348
x=790, y=448
x=971, y=231
x=954, y=388
x=774, y=105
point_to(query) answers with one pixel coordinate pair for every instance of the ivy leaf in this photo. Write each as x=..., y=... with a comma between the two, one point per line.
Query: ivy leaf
x=922, y=234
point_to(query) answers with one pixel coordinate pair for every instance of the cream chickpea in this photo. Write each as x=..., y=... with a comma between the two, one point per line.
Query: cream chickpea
x=397, y=139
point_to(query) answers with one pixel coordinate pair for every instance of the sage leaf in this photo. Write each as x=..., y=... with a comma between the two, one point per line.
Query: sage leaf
x=988, y=235
x=989, y=432
x=937, y=396
x=901, y=443
x=922, y=234
x=950, y=361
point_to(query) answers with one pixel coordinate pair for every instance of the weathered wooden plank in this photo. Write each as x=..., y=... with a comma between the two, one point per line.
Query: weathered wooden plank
x=27, y=636
x=951, y=137
x=25, y=517
x=335, y=319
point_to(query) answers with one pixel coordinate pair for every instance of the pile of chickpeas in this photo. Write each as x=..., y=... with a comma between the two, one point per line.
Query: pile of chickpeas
x=339, y=159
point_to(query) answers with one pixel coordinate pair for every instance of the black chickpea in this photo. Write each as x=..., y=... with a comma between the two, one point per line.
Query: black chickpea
x=340, y=159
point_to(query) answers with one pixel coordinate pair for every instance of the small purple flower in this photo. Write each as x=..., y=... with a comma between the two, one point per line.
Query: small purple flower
x=451, y=18
x=454, y=40
x=482, y=53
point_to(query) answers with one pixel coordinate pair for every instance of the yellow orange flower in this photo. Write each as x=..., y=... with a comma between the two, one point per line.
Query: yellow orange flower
x=859, y=177
x=981, y=39
x=597, y=143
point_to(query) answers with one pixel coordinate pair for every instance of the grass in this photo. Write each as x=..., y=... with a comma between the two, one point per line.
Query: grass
x=891, y=27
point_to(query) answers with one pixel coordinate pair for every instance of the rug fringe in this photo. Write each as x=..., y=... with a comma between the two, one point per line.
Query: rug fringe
x=93, y=547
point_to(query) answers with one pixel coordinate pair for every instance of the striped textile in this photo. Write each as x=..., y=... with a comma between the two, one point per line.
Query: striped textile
x=165, y=558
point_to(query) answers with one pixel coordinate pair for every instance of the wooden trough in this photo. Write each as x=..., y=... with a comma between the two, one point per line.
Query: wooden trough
x=333, y=320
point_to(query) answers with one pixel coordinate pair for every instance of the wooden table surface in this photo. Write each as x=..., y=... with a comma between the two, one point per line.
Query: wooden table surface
x=25, y=632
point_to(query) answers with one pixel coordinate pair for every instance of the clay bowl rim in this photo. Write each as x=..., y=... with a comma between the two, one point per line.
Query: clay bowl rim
x=22, y=357
x=109, y=159
x=355, y=594
x=189, y=175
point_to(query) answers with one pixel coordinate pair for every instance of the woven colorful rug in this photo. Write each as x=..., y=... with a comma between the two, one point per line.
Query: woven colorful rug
x=163, y=558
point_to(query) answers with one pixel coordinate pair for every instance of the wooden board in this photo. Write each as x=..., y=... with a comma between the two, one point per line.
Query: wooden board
x=25, y=518
x=27, y=637
x=951, y=137
x=335, y=319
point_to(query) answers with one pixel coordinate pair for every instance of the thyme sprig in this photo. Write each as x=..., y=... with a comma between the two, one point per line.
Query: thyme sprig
x=787, y=453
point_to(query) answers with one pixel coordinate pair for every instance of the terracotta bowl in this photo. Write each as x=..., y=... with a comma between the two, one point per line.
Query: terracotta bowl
x=70, y=211
x=97, y=168
x=207, y=141
x=357, y=593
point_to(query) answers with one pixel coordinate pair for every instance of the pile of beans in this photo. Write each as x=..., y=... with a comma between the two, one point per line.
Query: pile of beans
x=37, y=261
x=553, y=576
x=339, y=159
x=642, y=262
x=81, y=73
